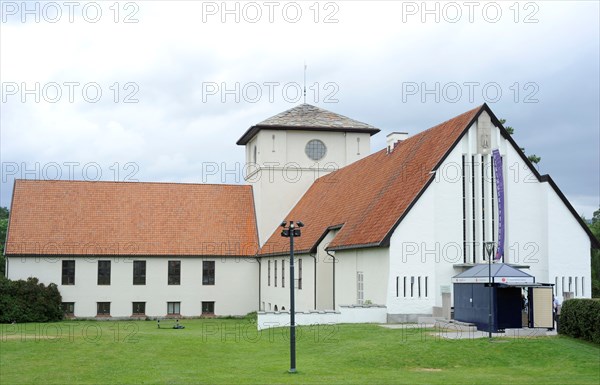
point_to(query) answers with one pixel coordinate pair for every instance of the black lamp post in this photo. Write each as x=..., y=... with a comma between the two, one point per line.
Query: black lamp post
x=290, y=232
x=489, y=248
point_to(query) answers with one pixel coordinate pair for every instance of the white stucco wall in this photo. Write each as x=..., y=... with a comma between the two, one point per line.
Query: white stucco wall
x=283, y=172
x=235, y=291
x=279, y=296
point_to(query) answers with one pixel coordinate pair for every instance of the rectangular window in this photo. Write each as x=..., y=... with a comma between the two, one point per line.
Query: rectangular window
x=474, y=229
x=68, y=308
x=139, y=308
x=103, y=309
x=582, y=288
x=576, y=286
x=360, y=293
x=173, y=308
x=300, y=274
x=275, y=265
x=139, y=272
x=174, y=273
x=464, y=203
x=103, y=272
x=397, y=285
x=426, y=284
x=419, y=286
x=562, y=285
x=412, y=286
x=208, y=308
x=208, y=272
x=404, y=287
x=68, y=272
x=282, y=273
x=268, y=273
x=556, y=286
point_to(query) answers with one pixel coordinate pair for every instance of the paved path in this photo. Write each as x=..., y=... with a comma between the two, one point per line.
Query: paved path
x=445, y=330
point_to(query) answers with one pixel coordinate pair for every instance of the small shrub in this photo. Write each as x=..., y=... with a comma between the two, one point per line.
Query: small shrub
x=580, y=318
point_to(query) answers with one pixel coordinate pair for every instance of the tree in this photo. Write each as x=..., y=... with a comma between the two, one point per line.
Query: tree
x=595, y=228
x=3, y=227
x=532, y=158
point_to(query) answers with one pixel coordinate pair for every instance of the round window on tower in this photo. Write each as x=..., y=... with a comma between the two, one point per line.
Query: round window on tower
x=315, y=149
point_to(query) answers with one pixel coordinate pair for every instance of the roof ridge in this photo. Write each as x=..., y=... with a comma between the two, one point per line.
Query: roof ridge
x=126, y=182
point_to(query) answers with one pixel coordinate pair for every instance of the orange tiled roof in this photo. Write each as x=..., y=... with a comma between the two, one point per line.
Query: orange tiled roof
x=121, y=218
x=370, y=196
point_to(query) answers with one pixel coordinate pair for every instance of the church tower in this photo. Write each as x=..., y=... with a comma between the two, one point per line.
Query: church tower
x=287, y=152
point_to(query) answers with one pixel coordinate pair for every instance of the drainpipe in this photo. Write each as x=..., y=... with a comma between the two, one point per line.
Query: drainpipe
x=315, y=280
x=332, y=256
x=259, y=279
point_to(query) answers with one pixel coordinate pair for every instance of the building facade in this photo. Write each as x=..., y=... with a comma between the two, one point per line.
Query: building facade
x=389, y=228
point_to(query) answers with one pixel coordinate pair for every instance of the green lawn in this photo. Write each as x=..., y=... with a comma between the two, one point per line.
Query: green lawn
x=232, y=351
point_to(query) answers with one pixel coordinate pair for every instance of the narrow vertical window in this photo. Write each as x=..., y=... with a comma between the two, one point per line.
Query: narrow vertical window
x=275, y=268
x=68, y=272
x=474, y=243
x=483, y=218
x=426, y=289
x=103, y=272
x=357, y=146
x=562, y=284
x=412, y=286
x=273, y=150
x=360, y=294
x=254, y=156
x=300, y=274
x=582, y=287
x=282, y=273
x=397, y=285
x=269, y=273
x=139, y=272
x=464, y=203
x=576, y=286
x=208, y=272
x=404, y=287
x=174, y=273
x=556, y=286
x=419, y=286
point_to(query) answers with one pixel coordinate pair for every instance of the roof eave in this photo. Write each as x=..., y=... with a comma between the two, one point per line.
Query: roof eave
x=252, y=131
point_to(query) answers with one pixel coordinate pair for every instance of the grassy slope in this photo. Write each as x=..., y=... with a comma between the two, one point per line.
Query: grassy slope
x=232, y=351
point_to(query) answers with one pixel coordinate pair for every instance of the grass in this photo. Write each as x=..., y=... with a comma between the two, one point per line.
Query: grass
x=232, y=351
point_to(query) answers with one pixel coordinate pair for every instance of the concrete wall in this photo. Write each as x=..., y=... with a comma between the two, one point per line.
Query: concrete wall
x=235, y=291
x=345, y=314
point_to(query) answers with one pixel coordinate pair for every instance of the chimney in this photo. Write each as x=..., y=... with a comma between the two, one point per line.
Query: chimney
x=393, y=138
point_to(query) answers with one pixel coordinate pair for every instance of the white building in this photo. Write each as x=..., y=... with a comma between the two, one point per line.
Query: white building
x=390, y=228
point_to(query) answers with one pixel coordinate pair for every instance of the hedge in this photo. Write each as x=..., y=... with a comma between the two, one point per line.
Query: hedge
x=580, y=318
x=29, y=301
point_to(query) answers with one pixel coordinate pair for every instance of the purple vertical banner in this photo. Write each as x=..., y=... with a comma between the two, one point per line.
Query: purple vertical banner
x=500, y=195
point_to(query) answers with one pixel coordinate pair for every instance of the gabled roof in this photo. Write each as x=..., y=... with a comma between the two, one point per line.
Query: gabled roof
x=497, y=270
x=125, y=218
x=369, y=197
x=308, y=118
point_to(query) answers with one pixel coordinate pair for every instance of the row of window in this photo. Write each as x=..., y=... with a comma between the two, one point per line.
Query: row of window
x=139, y=272
x=137, y=308
x=275, y=269
x=412, y=287
x=575, y=285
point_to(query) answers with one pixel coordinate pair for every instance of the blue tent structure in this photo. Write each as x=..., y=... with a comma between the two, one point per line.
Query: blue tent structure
x=472, y=296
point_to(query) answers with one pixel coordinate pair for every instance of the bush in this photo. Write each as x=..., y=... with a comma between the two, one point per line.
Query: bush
x=580, y=318
x=29, y=301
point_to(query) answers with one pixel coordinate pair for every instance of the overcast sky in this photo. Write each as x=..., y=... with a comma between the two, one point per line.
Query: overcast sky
x=161, y=90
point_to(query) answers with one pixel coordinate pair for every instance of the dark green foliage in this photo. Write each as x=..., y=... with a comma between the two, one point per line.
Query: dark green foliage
x=3, y=227
x=595, y=228
x=29, y=301
x=580, y=318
